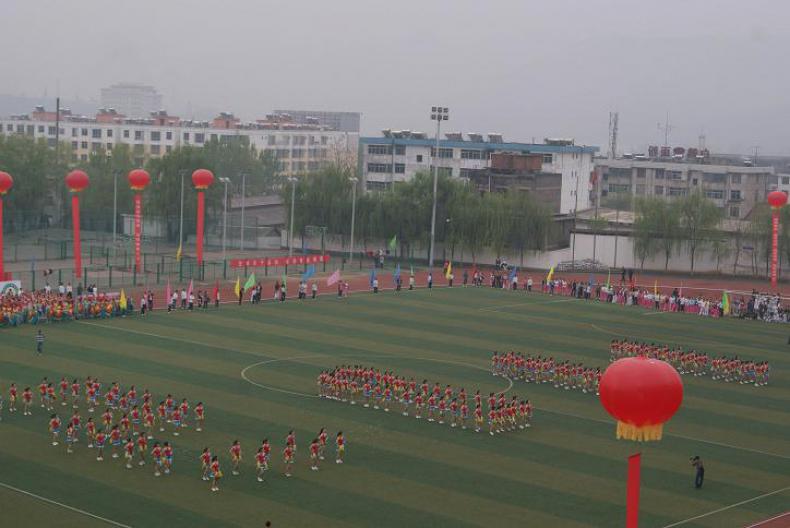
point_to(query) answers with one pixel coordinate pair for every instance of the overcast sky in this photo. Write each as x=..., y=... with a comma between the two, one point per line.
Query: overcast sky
x=524, y=68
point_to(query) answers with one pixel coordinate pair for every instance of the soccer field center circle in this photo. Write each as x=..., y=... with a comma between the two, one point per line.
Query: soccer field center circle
x=258, y=364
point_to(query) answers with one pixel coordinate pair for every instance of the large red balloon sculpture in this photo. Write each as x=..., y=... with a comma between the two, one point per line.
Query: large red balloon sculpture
x=76, y=181
x=642, y=395
x=777, y=200
x=138, y=181
x=202, y=180
x=6, y=182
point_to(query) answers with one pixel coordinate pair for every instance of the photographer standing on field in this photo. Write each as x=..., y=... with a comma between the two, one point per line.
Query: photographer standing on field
x=696, y=461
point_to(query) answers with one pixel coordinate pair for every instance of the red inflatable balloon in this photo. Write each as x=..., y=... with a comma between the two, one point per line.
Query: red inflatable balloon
x=6, y=182
x=139, y=179
x=76, y=180
x=777, y=199
x=202, y=179
x=642, y=394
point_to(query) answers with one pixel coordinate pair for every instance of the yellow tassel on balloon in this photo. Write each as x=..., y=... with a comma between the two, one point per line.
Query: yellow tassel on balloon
x=644, y=433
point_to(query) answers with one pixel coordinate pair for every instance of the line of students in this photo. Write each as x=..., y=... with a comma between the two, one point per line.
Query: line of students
x=384, y=389
x=538, y=369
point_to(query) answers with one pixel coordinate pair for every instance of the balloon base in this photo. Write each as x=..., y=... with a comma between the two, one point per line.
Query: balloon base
x=644, y=433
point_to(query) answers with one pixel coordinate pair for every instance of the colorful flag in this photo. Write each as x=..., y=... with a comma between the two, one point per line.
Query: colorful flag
x=393, y=242
x=680, y=293
x=725, y=303
x=550, y=275
x=189, y=290
x=237, y=286
x=178, y=253
x=216, y=290
x=122, y=301
x=372, y=276
x=250, y=281
x=168, y=293
x=449, y=270
x=512, y=273
x=655, y=287
x=333, y=279
x=309, y=272
x=609, y=279
x=396, y=275
x=285, y=280
x=411, y=270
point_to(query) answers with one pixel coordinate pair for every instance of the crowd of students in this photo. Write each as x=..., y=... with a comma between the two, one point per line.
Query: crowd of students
x=729, y=369
x=377, y=389
x=538, y=369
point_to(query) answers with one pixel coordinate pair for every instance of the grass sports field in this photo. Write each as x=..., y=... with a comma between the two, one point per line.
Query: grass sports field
x=566, y=471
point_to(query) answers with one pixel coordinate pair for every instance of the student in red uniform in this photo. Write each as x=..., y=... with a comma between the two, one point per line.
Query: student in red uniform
x=128, y=454
x=215, y=474
x=142, y=449
x=288, y=459
x=478, y=418
x=64, y=390
x=267, y=450
x=50, y=398
x=27, y=401
x=54, y=428
x=290, y=441
x=106, y=419
x=76, y=423
x=340, y=442
x=175, y=420
x=321, y=443
x=115, y=440
x=161, y=414
x=12, y=398
x=260, y=464
x=148, y=419
x=235, y=457
x=75, y=393
x=125, y=425
x=184, y=408
x=90, y=429
x=101, y=438
x=167, y=457
x=156, y=458
x=199, y=416
x=205, y=464
x=42, y=393
x=314, y=448
x=70, y=437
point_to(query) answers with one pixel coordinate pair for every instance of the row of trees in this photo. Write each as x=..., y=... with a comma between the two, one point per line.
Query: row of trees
x=693, y=223
x=465, y=219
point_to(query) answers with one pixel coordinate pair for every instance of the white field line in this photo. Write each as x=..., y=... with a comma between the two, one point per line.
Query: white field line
x=66, y=506
x=766, y=521
x=684, y=521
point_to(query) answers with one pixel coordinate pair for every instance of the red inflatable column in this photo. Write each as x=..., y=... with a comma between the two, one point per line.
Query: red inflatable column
x=76, y=181
x=777, y=200
x=6, y=182
x=202, y=180
x=138, y=181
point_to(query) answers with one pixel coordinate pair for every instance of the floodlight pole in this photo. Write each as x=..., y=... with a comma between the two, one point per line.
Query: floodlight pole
x=438, y=114
x=292, y=179
x=353, y=181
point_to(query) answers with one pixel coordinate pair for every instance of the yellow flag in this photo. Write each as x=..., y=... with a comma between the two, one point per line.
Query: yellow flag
x=449, y=270
x=122, y=301
x=178, y=253
x=655, y=287
x=550, y=275
x=237, y=287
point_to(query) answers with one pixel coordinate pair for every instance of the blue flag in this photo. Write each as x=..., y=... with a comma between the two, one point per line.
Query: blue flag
x=396, y=275
x=372, y=276
x=513, y=271
x=308, y=273
x=591, y=280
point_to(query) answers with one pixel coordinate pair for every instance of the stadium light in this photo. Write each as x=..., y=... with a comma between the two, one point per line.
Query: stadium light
x=226, y=181
x=438, y=114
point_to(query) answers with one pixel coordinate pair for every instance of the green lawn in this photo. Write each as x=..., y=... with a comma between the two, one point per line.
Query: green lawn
x=566, y=471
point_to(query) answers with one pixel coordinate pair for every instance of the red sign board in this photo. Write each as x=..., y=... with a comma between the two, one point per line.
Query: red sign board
x=275, y=262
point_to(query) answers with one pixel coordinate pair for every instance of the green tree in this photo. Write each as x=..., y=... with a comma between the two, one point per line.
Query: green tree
x=36, y=174
x=699, y=217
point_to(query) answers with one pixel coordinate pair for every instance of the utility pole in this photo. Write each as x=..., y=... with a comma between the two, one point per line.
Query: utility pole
x=243, y=200
x=353, y=181
x=114, y=212
x=181, y=220
x=292, y=179
x=438, y=114
x=575, y=209
x=226, y=181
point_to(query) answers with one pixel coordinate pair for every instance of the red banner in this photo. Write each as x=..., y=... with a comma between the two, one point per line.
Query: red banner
x=75, y=222
x=2, y=271
x=201, y=211
x=774, y=245
x=137, y=228
x=276, y=262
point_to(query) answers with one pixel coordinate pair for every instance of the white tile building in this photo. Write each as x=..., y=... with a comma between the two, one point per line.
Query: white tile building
x=398, y=156
x=131, y=99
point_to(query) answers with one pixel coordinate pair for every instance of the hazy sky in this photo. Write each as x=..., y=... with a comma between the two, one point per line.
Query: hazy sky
x=523, y=68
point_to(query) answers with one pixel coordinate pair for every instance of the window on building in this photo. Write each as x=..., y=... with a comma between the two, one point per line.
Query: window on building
x=677, y=191
x=735, y=212
x=52, y=130
x=446, y=171
x=138, y=135
x=446, y=153
x=714, y=194
x=313, y=165
x=619, y=188
x=155, y=149
x=156, y=135
x=471, y=154
x=379, y=167
x=31, y=130
x=109, y=146
x=400, y=168
x=376, y=150
x=714, y=178
x=674, y=175
x=658, y=190
x=96, y=133
x=95, y=146
x=186, y=136
x=641, y=172
x=548, y=158
x=376, y=185
x=75, y=144
x=126, y=134
x=138, y=149
x=213, y=137
x=168, y=135
x=271, y=140
x=40, y=129
x=785, y=180
x=324, y=140
x=73, y=132
x=83, y=157
x=84, y=144
x=735, y=195
x=419, y=158
x=400, y=150
x=466, y=173
x=109, y=132
x=735, y=178
x=297, y=152
x=84, y=131
x=200, y=137
x=284, y=140
x=640, y=189
x=168, y=148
